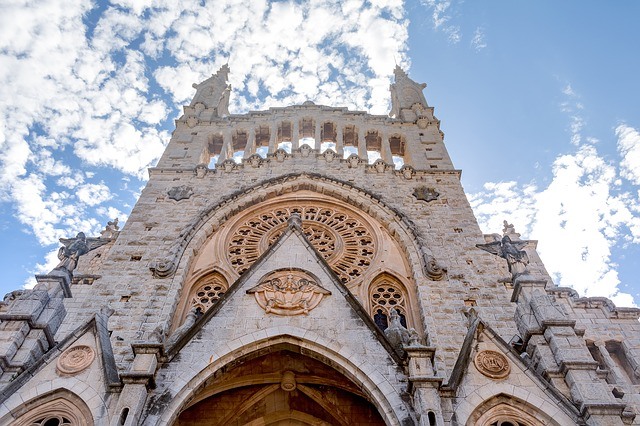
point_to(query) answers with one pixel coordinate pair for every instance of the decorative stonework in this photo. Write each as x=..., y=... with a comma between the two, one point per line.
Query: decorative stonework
x=492, y=364
x=423, y=193
x=178, y=193
x=75, y=359
x=208, y=293
x=288, y=293
x=345, y=241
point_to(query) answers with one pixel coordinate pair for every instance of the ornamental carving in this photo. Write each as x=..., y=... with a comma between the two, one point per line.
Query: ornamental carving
x=75, y=359
x=423, y=193
x=178, y=193
x=288, y=293
x=344, y=240
x=492, y=364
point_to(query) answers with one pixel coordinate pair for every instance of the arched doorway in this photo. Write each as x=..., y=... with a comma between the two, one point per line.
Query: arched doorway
x=279, y=385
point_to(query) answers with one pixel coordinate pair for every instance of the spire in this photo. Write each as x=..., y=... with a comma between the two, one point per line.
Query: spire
x=214, y=92
x=407, y=99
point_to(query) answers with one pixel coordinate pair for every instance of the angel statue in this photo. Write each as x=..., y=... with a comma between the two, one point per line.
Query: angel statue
x=512, y=251
x=73, y=248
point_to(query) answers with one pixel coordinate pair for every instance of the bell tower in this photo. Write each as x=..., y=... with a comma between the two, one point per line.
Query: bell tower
x=310, y=265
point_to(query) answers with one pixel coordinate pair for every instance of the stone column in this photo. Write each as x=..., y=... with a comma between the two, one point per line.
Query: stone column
x=424, y=385
x=340, y=139
x=295, y=134
x=362, y=145
x=136, y=381
x=273, y=135
x=318, y=135
x=385, y=148
x=227, y=149
x=250, y=147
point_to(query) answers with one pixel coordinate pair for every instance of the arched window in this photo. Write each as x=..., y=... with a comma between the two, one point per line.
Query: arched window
x=386, y=293
x=58, y=408
x=206, y=291
x=307, y=132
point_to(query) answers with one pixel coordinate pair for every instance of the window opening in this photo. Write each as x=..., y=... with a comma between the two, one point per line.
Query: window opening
x=373, y=142
x=307, y=128
x=263, y=135
x=619, y=357
x=238, y=143
x=397, y=145
x=328, y=137
x=214, y=147
x=207, y=291
x=284, y=132
x=350, y=140
x=386, y=295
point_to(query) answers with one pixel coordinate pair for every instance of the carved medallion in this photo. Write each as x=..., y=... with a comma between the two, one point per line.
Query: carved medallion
x=344, y=240
x=288, y=293
x=423, y=193
x=492, y=364
x=75, y=359
x=180, y=192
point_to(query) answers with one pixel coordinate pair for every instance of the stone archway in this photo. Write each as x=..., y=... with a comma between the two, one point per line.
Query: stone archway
x=279, y=385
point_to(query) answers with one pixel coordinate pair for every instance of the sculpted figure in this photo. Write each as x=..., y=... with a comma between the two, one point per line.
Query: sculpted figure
x=511, y=251
x=73, y=248
x=397, y=334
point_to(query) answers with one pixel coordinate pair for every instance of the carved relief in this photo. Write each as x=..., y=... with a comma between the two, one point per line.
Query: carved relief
x=75, y=359
x=346, y=242
x=423, y=193
x=288, y=293
x=492, y=364
x=180, y=192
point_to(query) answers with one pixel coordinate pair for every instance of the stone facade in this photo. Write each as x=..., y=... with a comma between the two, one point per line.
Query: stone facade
x=311, y=265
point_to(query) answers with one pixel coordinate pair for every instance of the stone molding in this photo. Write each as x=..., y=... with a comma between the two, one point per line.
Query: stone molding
x=492, y=364
x=75, y=359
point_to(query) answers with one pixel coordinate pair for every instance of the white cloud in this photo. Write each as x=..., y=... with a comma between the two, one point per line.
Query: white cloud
x=93, y=194
x=629, y=148
x=75, y=95
x=479, y=40
x=579, y=217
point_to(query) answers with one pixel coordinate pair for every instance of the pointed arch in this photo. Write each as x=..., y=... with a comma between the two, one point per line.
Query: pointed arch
x=201, y=292
x=62, y=405
x=357, y=370
x=505, y=410
x=386, y=292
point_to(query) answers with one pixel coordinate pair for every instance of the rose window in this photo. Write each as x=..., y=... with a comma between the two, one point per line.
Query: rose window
x=345, y=242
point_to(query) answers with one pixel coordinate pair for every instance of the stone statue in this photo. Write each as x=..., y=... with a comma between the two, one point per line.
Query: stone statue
x=223, y=103
x=517, y=259
x=73, y=248
x=510, y=230
x=397, y=334
x=111, y=229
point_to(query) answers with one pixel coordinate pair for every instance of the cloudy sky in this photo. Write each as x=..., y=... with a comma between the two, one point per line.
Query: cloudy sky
x=539, y=102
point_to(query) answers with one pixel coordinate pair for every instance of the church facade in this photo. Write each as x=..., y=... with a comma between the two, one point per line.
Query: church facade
x=310, y=265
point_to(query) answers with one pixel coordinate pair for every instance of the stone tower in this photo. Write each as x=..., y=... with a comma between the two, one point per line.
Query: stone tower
x=317, y=266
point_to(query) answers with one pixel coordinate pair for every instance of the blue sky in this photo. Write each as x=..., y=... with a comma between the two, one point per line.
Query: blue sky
x=538, y=102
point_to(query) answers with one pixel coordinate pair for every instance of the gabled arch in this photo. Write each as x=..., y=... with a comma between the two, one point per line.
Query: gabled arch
x=61, y=404
x=503, y=409
x=388, y=404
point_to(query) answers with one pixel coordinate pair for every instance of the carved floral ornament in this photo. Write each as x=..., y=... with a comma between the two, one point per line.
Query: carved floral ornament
x=289, y=292
x=492, y=364
x=75, y=359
